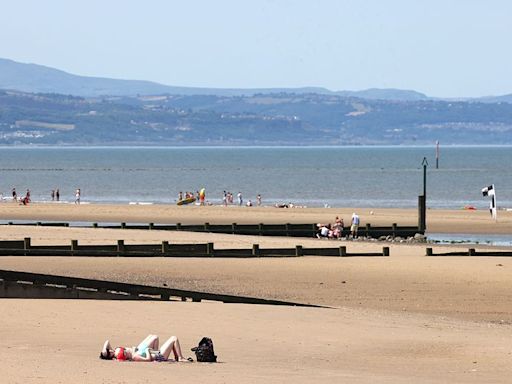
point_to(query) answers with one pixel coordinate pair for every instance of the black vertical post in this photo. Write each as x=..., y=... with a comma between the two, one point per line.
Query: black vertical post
x=424, y=163
x=437, y=154
x=421, y=214
x=422, y=201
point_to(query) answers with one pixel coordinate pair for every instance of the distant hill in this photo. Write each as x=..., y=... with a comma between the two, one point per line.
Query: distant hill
x=261, y=119
x=385, y=94
x=40, y=79
x=497, y=99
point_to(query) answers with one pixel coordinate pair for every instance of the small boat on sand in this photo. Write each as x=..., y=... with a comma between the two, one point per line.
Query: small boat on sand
x=186, y=201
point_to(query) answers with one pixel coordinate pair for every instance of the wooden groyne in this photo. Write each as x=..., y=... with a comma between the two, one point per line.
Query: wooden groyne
x=469, y=252
x=288, y=229
x=15, y=284
x=165, y=249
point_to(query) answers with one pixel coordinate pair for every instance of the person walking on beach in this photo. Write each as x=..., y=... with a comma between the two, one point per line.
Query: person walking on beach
x=77, y=196
x=240, y=199
x=14, y=195
x=53, y=194
x=354, y=225
x=258, y=200
x=57, y=194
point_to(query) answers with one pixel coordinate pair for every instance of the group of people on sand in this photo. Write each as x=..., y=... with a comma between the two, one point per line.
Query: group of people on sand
x=186, y=195
x=199, y=196
x=288, y=205
x=228, y=199
x=335, y=230
x=22, y=200
x=54, y=195
x=148, y=349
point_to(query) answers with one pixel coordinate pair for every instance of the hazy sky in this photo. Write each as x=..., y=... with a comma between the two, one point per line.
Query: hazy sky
x=445, y=48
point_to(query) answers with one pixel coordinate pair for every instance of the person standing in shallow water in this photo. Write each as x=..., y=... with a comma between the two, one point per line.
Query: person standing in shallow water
x=77, y=196
x=14, y=195
x=57, y=194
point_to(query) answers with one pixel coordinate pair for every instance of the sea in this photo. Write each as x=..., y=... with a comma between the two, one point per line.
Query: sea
x=358, y=176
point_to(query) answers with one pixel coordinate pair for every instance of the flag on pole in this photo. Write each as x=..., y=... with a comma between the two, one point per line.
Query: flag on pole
x=491, y=192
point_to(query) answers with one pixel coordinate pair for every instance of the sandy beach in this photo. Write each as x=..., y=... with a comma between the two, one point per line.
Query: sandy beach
x=441, y=221
x=405, y=318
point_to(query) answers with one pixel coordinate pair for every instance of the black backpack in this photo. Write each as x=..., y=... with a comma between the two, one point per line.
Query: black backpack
x=204, y=351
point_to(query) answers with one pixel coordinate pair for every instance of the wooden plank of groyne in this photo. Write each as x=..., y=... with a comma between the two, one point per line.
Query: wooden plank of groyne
x=12, y=244
x=136, y=290
x=470, y=252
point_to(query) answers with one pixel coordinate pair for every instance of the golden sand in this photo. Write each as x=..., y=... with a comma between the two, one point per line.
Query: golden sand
x=399, y=319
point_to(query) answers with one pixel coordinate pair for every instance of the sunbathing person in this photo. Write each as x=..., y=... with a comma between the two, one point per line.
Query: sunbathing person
x=147, y=350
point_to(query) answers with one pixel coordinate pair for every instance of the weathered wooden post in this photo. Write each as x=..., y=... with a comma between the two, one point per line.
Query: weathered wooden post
x=343, y=251
x=151, y=226
x=209, y=250
x=123, y=225
x=165, y=247
x=120, y=247
x=74, y=247
x=206, y=227
x=26, y=245
x=95, y=225
x=471, y=252
x=393, y=229
x=385, y=251
x=430, y=252
x=299, y=251
x=178, y=226
x=255, y=250
x=233, y=228
x=368, y=230
x=260, y=229
x=287, y=229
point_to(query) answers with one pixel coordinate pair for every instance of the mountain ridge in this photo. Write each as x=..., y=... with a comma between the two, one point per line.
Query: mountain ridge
x=36, y=78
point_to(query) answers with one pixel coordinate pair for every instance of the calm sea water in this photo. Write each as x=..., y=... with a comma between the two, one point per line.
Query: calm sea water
x=312, y=176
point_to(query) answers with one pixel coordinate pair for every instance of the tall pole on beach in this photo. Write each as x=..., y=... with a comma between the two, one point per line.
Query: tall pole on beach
x=422, y=201
x=424, y=163
x=437, y=154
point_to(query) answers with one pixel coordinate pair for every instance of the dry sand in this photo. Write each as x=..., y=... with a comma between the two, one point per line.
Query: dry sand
x=406, y=318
